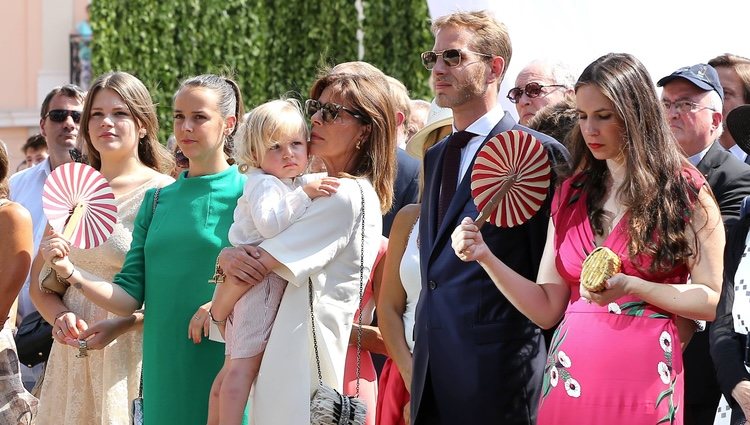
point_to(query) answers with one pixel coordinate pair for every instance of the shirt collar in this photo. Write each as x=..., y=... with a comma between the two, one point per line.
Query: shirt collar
x=486, y=122
x=695, y=159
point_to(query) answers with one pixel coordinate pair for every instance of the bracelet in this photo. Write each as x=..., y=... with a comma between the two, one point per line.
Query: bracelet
x=64, y=280
x=216, y=322
x=62, y=313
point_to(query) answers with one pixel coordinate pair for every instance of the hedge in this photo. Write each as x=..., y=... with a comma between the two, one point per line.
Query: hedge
x=272, y=47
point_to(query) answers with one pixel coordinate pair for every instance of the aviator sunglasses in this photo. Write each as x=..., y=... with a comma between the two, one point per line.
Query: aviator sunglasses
x=451, y=57
x=330, y=111
x=532, y=90
x=60, y=115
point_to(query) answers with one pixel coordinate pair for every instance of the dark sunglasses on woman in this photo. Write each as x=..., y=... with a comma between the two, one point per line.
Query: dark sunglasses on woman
x=60, y=115
x=330, y=111
x=451, y=57
x=532, y=90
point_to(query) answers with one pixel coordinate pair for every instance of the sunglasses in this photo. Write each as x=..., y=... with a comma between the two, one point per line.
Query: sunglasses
x=60, y=115
x=181, y=160
x=330, y=111
x=451, y=57
x=532, y=90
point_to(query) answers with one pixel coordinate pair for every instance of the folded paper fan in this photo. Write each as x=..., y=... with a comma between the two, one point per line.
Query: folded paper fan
x=510, y=179
x=79, y=203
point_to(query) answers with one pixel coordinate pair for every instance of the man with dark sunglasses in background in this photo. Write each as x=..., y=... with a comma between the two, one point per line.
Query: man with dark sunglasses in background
x=540, y=83
x=477, y=359
x=60, y=118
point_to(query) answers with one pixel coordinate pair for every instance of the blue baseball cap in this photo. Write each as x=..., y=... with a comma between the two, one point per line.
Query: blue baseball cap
x=702, y=75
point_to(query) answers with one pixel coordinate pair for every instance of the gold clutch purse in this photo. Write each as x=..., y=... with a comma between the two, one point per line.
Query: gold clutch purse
x=599, y=266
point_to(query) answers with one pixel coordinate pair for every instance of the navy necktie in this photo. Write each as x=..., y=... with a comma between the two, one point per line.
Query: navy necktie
x=451, y=165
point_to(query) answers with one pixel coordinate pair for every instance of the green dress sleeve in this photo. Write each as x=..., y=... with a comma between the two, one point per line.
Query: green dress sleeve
x=132, y=277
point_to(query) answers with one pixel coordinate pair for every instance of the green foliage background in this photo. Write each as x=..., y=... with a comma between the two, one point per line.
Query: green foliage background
x=271, y=47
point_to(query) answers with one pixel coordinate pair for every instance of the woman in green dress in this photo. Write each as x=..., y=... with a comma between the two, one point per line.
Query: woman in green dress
x=177, y=235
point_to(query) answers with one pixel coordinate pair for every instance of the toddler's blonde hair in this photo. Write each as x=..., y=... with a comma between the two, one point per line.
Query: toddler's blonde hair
x=261, y=128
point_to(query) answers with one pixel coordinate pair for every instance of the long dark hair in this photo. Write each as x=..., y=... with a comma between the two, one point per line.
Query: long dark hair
x=655, y=191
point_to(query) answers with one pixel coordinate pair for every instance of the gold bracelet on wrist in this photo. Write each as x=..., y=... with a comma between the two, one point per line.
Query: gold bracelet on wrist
x=64, y=280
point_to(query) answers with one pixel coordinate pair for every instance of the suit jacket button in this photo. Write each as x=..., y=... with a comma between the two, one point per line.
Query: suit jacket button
x=431, y=284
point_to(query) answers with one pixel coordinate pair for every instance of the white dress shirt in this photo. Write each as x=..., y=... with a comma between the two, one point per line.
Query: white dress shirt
x=481, y=128
x=738, y=152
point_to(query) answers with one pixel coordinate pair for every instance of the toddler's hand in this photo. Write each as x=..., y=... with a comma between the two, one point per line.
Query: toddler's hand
x=326, y=186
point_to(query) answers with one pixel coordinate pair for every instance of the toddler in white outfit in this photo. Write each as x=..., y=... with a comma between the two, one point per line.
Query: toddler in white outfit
x=271, y=148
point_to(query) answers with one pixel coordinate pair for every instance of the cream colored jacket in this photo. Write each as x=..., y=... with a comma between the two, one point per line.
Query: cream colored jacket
x=323, y=245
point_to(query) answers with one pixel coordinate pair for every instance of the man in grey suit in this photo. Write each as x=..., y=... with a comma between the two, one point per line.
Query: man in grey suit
x=693, y=99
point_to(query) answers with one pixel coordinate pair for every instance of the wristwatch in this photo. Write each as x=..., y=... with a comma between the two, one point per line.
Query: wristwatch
x=219, y=275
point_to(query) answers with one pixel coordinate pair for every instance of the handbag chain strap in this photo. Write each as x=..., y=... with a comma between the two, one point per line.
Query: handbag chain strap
x=153, y=210
x=361, y=293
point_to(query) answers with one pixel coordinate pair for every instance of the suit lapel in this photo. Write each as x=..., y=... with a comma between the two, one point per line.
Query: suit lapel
x=463, y=191
x=710, y=161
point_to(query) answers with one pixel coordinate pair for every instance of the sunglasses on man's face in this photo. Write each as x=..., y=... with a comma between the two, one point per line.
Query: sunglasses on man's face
x=532, y=90
x=330, y=111
x=451, y=57
x=60, y=115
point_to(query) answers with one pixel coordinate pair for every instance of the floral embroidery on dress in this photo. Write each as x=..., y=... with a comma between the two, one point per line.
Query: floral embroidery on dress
x=633, y=308
x=556, y=368
x=665, y=373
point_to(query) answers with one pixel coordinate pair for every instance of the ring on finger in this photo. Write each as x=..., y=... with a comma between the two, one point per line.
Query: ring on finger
x=59, y=331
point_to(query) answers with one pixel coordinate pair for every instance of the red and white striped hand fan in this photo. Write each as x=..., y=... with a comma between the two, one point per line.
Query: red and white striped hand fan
x=510, y=179
x=79, y=203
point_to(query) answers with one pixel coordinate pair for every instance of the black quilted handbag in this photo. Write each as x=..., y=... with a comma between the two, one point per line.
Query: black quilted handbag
x=33, y=339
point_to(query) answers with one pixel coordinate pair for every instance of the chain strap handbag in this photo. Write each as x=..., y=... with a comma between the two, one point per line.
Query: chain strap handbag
x=328, y=406
x=137, y=406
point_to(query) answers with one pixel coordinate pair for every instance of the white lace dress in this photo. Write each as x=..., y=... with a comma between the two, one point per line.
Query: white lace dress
x=97, y=389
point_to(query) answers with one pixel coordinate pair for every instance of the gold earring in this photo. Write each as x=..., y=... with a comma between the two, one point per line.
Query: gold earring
x=359, y=144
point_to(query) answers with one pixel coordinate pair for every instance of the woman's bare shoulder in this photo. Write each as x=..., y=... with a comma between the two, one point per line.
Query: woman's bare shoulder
x=14, y=214
x=404, y=220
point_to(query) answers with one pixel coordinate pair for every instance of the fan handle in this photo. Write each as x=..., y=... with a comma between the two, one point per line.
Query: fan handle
x=73, y=220
x=496, y=198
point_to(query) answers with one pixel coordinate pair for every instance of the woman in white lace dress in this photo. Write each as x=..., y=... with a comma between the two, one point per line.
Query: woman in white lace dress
x=119, y=127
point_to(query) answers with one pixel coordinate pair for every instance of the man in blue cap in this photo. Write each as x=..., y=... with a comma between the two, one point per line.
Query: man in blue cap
x=693, y=98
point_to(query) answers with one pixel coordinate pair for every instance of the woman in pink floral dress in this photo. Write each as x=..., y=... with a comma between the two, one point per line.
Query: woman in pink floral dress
x=615, y=358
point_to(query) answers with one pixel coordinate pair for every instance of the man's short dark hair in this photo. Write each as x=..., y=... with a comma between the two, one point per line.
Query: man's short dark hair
x=68, y=90
x=36, y=141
